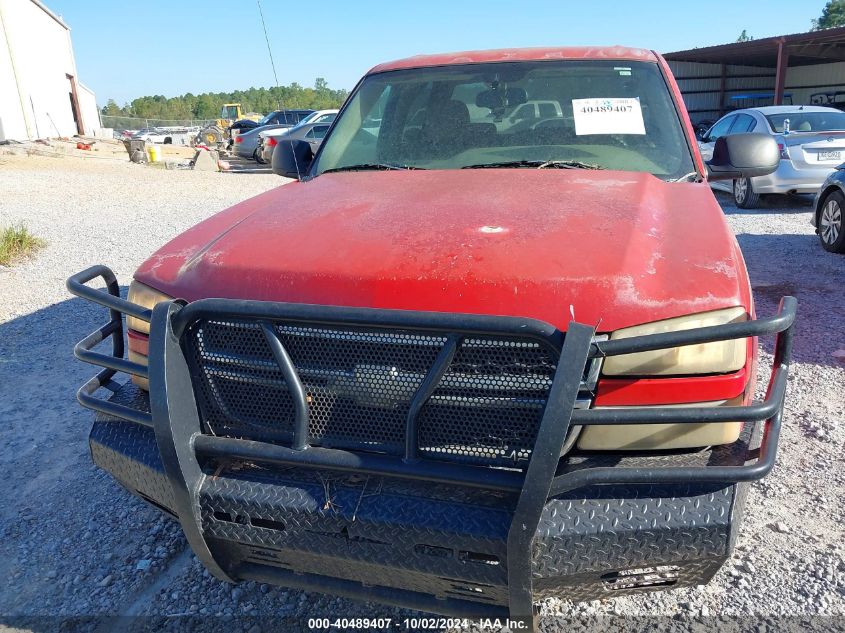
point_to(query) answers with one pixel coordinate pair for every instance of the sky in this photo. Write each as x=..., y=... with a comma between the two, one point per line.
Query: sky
x=131, y=49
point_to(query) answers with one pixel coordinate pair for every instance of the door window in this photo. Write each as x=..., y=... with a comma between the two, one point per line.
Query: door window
x=720, y=129
x=547, y=110
x=317, y=132
x=525, y=111
x=743, y=123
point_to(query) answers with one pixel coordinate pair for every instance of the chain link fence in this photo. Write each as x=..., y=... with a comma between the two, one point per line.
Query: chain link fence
x=120, y=123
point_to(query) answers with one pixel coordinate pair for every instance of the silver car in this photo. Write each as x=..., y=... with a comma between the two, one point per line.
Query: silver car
x=312, y=133
x=811, y=141
x=246, y=143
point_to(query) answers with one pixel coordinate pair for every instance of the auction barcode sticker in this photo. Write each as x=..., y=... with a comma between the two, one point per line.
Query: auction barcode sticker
x=608, y=116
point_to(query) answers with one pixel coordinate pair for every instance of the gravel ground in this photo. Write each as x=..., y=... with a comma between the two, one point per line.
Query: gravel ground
x=75, y=544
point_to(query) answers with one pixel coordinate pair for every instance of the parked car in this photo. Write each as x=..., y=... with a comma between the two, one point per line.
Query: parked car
x=138, y=134
x=811, y=141
x=171, y=135
x=311, y=133
x=319, y=116
x=340, y=384
x=829, y=210
x=245, y=144
x=702, y=126
x=532, y=114
x=265, y=150
x=242, y=125
x=277, y=117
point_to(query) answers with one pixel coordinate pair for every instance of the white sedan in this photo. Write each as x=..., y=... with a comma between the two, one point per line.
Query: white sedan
x=180, y=135
x=811, y=141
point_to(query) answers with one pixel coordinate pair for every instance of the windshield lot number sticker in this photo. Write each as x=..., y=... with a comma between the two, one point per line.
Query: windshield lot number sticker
x=608, y=116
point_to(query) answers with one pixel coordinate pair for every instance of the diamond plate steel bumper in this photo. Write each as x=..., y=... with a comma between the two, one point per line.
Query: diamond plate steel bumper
x=444, y=541
x=446, y=538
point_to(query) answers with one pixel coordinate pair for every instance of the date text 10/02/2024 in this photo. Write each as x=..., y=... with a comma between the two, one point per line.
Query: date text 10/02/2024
x=414, y=624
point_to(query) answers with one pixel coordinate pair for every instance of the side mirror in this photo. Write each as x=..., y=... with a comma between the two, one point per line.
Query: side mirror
x=292, y=159
x=743, y=156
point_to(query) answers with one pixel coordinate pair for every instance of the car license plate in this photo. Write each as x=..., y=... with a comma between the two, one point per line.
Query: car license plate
x=829, y=156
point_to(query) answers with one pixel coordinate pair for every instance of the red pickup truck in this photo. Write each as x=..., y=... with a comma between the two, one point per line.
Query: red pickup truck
x=478, y=354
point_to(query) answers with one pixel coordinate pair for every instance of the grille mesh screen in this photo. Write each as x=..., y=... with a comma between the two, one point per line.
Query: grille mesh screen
x=359, y=383
x=489, y=403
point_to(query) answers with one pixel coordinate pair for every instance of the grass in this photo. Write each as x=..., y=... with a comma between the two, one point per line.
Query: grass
x=16, y=242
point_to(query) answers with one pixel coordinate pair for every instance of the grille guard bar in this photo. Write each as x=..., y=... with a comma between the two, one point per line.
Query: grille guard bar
x=114, y=362
x=175, y=420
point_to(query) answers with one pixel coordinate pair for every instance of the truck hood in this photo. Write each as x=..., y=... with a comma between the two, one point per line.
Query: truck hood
x=612, y=249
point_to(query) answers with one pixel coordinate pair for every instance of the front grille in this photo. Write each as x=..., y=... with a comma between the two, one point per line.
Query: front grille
x=489, y=403
x=360, y=382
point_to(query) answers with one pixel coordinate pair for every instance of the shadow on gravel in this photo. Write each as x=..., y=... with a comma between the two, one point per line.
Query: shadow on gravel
x=70, y=537
x=786, y=204
x=797, y=265
x=241, y=165
x=77, y=551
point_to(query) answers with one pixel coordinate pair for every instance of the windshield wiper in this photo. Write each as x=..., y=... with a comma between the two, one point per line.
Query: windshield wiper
x=508, y=163
x=690, y=177
x=536, y=164
x=568, y=164
x=371, y=167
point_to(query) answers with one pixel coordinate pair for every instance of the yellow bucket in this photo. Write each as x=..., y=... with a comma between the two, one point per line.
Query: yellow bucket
x=153, y=153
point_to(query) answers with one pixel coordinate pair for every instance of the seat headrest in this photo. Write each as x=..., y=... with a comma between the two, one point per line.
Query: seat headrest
x=452, y=112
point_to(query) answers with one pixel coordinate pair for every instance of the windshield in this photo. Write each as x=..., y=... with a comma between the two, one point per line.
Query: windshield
x=267, y=119
x=595, y=113
x=808, y=121
x=308, y=119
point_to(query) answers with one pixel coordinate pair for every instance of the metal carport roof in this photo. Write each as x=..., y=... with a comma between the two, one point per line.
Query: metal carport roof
x=781, y=52
x=803, y=49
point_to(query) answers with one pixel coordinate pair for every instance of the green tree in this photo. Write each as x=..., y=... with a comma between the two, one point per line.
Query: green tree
x=832, y=15
x=744, y=37
x=207, y=105
x=112, y=109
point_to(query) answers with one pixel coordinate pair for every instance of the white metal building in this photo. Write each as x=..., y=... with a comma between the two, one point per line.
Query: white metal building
x=803, y=68
x=40, y=93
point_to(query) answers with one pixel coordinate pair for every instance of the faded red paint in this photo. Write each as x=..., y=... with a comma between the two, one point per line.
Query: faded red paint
x=614, y=248
x=138, y=342
x=621, y=53
x=614, y=392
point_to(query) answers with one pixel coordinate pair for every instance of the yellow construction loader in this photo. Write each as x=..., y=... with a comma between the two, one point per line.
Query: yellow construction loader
x=217, y=132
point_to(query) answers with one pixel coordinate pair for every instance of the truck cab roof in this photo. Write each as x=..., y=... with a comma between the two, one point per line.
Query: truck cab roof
x=518, y=55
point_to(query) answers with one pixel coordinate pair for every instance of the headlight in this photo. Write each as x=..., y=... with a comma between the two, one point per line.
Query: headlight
x=142, y=295
x=708, y=358
x=721, y=357
x=632, y=437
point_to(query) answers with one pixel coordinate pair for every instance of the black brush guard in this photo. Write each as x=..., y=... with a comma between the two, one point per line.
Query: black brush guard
x=185, y=450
